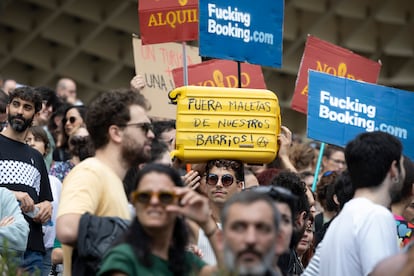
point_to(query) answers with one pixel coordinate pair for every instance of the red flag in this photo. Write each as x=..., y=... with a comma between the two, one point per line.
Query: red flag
x=221, y=73
x=329, y=58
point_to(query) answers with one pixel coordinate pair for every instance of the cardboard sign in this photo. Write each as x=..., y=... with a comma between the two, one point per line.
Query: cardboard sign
x=221, y=73
x=242, y=30
x=325, y=57
x=228, y=123
x=340, y=108
x=155, y=63
x=168, y=20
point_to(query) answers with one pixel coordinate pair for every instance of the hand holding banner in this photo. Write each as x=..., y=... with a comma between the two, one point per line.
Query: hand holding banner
x=155, y=63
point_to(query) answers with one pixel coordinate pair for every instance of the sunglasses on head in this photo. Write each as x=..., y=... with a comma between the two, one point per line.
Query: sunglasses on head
x=144, y=197
x=274, y=192
x=71, y=120
x=226, y=179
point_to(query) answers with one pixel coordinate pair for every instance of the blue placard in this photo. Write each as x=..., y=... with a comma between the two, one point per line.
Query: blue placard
x=242, y=30
x=340, y=108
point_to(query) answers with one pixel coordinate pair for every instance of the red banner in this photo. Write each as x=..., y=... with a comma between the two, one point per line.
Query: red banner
x=168, y=20
x=221, y=73
x=325, y=57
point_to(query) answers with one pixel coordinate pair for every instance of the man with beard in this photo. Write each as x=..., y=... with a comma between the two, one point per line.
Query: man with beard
x=250, y=227
x=23, y=171
x=122, y=135
x=289, y=262
x=364, y=232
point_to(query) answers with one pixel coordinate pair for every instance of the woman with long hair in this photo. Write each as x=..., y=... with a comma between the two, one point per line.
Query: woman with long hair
x=156, y=243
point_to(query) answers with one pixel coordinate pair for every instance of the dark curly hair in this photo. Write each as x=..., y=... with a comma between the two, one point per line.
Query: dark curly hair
x=28, y=94
x=111, y=108
x=235, y=165
x=324, y=191
x=293, y=183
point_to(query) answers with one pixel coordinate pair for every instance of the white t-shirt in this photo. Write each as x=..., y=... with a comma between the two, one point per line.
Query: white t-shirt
x=204, y=245
x=49, y=230
x=363, y=234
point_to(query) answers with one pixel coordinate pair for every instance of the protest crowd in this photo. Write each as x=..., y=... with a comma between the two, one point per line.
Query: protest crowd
x=218, y=185
x=92, y=190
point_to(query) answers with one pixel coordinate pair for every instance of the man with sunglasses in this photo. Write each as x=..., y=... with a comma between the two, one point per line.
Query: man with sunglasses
x=121, y=132
x=224, y=178
x=23, y=171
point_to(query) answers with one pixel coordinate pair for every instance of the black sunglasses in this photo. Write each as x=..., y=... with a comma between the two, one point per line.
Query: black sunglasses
x=146, y=127
x=226, y=179
x=71, y=120
x=144, y=197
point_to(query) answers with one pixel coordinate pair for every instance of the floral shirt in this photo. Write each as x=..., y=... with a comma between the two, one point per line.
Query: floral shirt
x=61, y=168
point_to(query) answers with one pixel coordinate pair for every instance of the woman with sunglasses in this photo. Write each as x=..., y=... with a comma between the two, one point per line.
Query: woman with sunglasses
x=157, y=239
x=73, y=118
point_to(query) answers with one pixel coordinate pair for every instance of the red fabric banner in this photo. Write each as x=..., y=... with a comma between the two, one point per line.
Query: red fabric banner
x=221, y=73
x=325, y=57
x=168, y=20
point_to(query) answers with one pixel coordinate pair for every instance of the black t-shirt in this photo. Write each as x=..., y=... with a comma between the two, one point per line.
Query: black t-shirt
x=23, y=169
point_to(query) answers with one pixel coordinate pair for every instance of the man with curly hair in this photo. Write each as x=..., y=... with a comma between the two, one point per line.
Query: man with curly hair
x=224, y=178
x=121, y=132
x=23, y=171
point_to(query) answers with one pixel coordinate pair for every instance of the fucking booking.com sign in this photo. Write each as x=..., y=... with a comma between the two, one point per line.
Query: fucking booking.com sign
x=340, y=108
x=242, y=30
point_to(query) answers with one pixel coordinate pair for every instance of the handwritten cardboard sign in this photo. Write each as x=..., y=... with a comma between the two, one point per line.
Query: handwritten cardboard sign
x=242, y=30
x=325, y=57
x=341, y=108
x=221, y=73
x=229, y=123
x=156, y=62
x=168, y=20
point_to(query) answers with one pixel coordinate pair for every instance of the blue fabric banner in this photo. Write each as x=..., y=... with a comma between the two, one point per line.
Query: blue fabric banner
x=340, y=108
x=242, y=30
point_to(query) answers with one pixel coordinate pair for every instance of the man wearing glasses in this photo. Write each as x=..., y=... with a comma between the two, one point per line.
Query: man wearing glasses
x=334, y=159
x=122, y=135
x=224, y=178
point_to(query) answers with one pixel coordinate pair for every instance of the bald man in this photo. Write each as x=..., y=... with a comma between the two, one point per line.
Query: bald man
x=66, y=90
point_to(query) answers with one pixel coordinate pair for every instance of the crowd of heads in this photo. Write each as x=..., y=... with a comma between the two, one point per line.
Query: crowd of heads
x=265, y=212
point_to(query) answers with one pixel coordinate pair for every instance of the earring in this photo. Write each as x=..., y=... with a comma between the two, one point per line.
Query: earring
x=395, y=179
